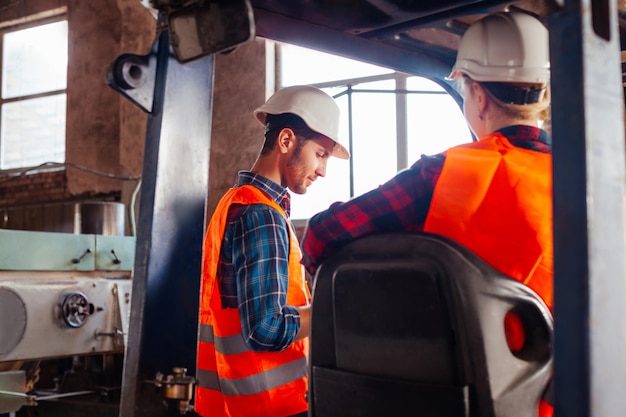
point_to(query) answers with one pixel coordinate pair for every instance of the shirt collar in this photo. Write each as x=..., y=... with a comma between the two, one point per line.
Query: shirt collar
x=525, y=132
x=277, y=192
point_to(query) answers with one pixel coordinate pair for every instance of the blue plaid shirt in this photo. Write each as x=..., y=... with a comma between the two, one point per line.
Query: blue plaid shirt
x=254, y=268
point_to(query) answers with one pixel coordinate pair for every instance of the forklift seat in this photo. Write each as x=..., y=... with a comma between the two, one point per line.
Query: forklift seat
x=415, y=324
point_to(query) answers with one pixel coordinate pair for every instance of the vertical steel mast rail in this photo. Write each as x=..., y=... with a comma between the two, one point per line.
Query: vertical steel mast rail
x=588, y=149
x=166, y=276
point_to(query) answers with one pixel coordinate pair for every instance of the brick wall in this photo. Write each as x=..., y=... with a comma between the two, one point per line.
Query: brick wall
x=35, y=188
x=42, y=202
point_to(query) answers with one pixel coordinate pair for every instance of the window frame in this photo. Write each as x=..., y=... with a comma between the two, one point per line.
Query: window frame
x=401, y=93
x=347, y=89
x=41, y=19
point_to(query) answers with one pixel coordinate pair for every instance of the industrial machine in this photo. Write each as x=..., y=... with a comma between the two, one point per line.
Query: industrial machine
x=64, y=309
x=85, y=311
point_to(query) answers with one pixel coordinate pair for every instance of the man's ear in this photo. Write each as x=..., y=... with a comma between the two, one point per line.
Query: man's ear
x=286, y=140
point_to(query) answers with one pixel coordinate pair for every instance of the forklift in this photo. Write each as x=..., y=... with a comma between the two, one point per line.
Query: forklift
x=580, y=347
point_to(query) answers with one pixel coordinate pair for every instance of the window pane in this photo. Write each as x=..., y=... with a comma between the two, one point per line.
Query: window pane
x=305, y=66
x=35, y=60
x=435, y=121
x=374, y=132
x=33, y=132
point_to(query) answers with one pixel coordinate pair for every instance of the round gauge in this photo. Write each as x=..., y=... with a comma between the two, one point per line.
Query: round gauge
x=75, y=309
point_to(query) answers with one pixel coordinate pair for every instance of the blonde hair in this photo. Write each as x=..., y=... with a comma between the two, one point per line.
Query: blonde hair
x=539, y=110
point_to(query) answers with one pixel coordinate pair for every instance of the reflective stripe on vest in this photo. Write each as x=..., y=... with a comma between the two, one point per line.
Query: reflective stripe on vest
x=228, y=345
x=496, y=200
x=232, y=379
x=252, y=385
x=255, y=384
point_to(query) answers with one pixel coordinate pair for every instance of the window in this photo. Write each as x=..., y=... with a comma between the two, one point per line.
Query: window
x=32, y=103
x=390, y=118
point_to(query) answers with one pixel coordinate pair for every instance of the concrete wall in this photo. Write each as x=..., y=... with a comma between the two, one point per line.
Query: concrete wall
x=106, y=132
x=240, y=87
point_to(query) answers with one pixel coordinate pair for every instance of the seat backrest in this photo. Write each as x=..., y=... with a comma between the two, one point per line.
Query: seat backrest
x=413, y=324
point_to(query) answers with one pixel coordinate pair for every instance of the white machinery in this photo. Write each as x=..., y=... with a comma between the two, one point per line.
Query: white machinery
x=61, y=296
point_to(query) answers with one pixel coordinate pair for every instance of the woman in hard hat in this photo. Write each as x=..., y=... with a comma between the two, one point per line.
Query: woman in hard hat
x=494, y=195
x=254, y=301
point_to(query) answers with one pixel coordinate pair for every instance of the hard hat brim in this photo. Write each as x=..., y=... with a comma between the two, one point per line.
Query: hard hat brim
x=339, y=150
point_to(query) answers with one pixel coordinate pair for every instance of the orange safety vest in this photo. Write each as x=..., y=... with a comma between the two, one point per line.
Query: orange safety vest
x=496, y=200
x=232, y=379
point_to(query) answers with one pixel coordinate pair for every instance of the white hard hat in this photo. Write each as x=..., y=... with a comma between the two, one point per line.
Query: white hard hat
x=505, y=47
x=318, y=110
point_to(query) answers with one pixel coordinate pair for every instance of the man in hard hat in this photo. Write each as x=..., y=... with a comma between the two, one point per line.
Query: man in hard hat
x=254, y=302
x=494, y=195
